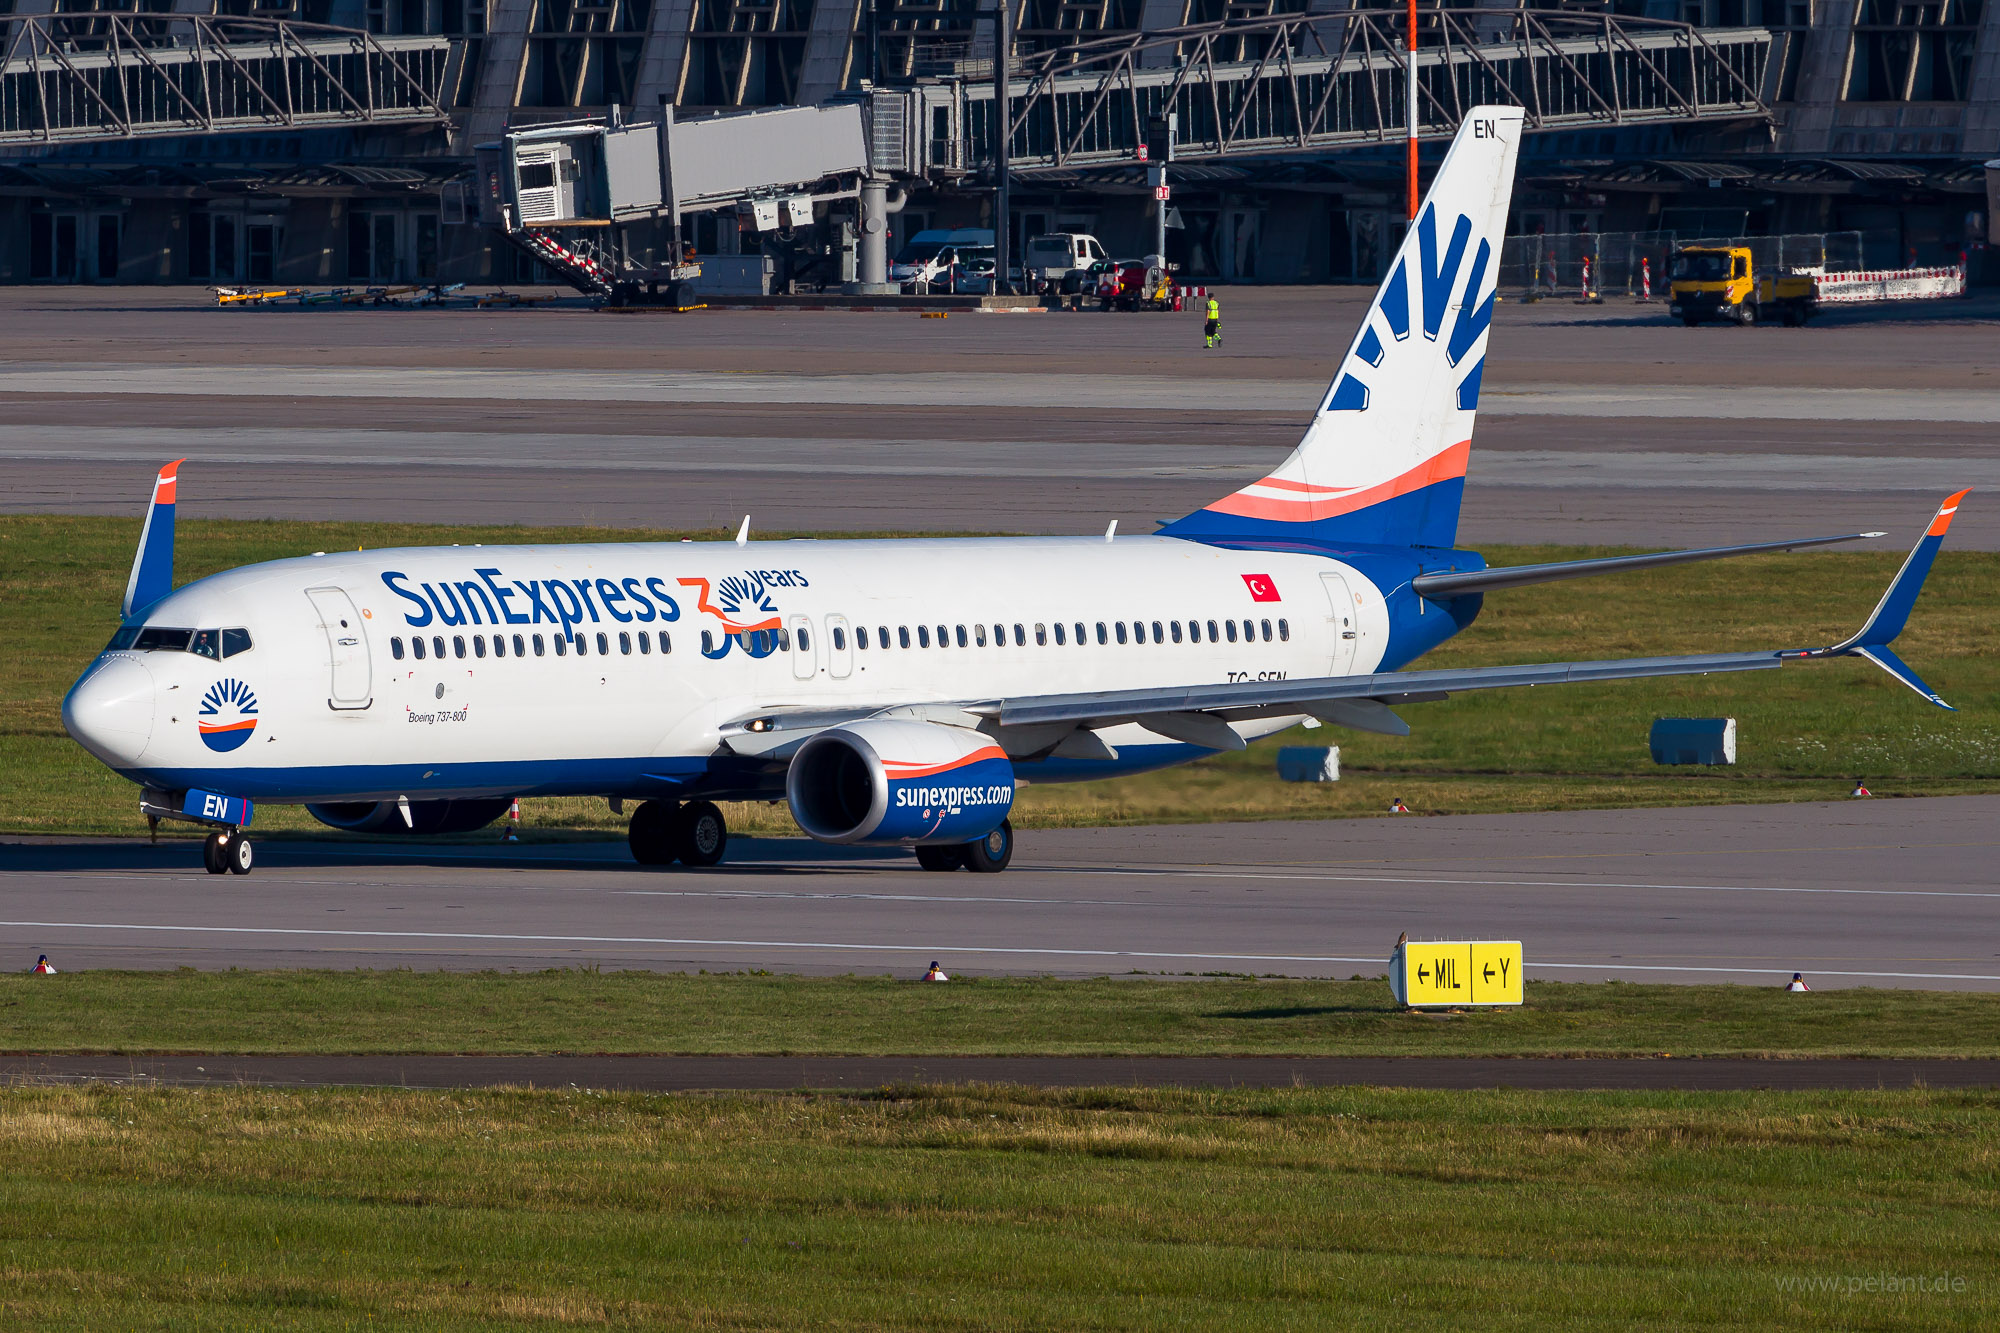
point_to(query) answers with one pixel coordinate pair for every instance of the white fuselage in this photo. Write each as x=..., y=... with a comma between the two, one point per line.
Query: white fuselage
x=348, y=711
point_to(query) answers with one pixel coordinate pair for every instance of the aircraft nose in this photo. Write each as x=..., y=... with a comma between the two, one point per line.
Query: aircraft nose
x=110, y=711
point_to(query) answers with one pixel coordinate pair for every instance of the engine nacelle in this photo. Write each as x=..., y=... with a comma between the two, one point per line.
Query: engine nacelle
x=425, y=816
x=883, y=783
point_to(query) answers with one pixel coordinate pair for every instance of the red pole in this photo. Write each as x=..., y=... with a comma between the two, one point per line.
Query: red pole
x=1411, y=51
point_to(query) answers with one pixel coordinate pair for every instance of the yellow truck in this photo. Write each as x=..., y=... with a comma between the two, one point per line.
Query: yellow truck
x=1721, y=283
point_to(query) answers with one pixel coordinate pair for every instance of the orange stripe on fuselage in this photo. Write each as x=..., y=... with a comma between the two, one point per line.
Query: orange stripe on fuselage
x=211, y=728
x=1942, y=523
x=1450, y=465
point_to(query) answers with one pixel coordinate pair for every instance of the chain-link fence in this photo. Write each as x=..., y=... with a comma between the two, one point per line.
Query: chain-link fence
x=1589, y=265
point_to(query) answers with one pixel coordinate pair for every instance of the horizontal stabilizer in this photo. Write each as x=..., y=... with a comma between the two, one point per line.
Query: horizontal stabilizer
x=1454, y=584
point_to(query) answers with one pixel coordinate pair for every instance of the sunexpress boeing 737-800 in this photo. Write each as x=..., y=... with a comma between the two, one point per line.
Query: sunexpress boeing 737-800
x=891, y=692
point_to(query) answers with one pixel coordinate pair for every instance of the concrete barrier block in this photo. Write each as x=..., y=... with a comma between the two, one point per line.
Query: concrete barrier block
x=1693, y=740
x=1309, y=763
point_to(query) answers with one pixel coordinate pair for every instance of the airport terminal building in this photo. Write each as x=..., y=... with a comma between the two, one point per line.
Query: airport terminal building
x=332, y=141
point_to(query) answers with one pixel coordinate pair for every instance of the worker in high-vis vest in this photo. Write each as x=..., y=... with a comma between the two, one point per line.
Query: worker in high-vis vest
x=1213, y=331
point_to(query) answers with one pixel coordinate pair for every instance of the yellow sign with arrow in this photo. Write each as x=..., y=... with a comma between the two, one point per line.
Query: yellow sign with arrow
x=1434, y=974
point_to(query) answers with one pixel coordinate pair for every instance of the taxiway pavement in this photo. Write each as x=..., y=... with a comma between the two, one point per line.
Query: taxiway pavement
x=1862, y=892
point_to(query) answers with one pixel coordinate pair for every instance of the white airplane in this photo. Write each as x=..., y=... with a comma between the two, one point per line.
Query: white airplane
x=891, y=692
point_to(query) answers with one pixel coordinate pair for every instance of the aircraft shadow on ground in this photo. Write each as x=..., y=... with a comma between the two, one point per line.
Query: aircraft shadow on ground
x=181, y=855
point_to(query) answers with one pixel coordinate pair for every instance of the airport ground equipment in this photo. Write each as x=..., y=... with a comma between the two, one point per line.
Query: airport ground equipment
x=1693, y=740
x=1721, y=284
x=107, y=74
x=601, y=201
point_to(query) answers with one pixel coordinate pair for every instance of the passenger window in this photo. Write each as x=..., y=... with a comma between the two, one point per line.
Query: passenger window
x=1119, y=625
x=603, y=643
x=437, y=646
x=539, y=647
x=784, y=639
x=417, y=647
x=520, y=651
x=624, y=643
x=861, y=637
x=582, y=643
x=1059, y=634
x=1213, y=637
x=479, y=645
x=204, y=644
x=1177, y=630
x=1284, y=631
x=562, y=645
x=1079, y=634
x=645, y=643
x=839, y=639
x=1101, y=637
x=1020, y=636
x=962, y=641
x=903, y=635
x=458, y=645
x=805, y=640
x=1138, y=631
x=666, y=643
x=1249, y=631
x=707, y=643
x=1158, y=637
x=882, y=637
x=1041, y=636
x=499, y=645
x=396, y=649
x=1232, y=629
x=1267, y=631
x=235, y=641
x=944, y=640
x=923, y=636
x=979, y=635
x=999, y=636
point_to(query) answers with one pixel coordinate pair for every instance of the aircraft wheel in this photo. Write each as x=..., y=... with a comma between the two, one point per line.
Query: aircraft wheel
x=700, y=836
x=990, y=855
x=651, y=833
x=212, y=855
x=238, y=854
x=932, y=856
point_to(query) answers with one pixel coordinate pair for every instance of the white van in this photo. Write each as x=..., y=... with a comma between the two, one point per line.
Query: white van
x=1059, y=260
x=929, y=255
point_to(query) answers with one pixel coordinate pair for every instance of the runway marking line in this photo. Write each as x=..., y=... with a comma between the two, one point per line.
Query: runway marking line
x=961, y=949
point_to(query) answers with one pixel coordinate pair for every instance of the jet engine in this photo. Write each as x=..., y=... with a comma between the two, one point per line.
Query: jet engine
x=462, y=816
x=883, y=782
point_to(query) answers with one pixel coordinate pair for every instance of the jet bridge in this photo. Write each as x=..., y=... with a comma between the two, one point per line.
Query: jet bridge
x=601, y=201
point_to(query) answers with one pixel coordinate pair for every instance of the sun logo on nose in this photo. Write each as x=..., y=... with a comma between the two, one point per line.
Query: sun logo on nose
x=227, y=716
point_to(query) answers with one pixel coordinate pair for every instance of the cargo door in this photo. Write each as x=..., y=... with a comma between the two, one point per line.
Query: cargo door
x=1342, y=630
x=351, y=685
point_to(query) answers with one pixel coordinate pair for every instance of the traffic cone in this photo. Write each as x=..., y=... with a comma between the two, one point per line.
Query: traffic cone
x=44, y=966
x=1798, y=983
x=513, y=833
x=1860, y=789
x=1396, y=807
x=935, y=973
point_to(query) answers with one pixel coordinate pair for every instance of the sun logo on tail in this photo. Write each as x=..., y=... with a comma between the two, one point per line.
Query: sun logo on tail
x=227, y=716
x=1436, y=280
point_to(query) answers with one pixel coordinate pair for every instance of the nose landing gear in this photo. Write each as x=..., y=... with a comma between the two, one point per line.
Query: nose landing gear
x=227, y=851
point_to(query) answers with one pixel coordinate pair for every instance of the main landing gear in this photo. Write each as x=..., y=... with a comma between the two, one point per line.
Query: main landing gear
x=663, y=832
x=988, y=856
x=227, y=851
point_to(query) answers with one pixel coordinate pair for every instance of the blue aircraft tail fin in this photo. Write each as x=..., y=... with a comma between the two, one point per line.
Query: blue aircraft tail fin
x=1384, y=460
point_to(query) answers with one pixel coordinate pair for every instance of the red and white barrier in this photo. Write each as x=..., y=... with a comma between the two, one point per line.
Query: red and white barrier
x=1891, y=284
x=1645, y=277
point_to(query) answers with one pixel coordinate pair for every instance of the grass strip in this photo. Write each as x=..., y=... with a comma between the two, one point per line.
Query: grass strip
x=1804, y=732
x=973, y=1208
x=589, y=1012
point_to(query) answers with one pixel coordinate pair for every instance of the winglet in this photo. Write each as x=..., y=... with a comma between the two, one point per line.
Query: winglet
x=1892, y=613
x=153, y=566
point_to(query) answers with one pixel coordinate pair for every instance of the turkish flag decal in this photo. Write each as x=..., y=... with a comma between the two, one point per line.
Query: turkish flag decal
x=1261, y=588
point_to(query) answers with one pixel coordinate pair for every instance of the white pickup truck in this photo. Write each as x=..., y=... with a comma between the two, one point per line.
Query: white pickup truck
x=1059, y=261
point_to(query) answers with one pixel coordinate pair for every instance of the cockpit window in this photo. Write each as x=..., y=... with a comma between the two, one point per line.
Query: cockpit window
x=156, y=639
x=235, y=641
x=207, y=643
x=122, y=639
